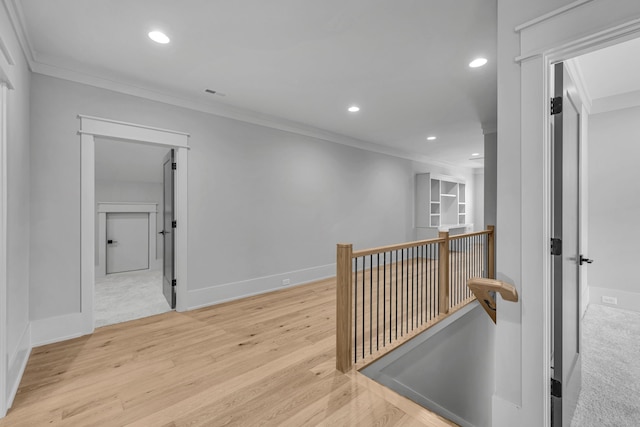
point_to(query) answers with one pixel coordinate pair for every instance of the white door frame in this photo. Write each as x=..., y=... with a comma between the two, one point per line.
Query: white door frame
x=6, y=64
x=4, y=356
x=551, y=38
x=90, y=128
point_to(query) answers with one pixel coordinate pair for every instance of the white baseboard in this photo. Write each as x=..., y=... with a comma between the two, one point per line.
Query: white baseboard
x=17, y=364
x=205, y=297
x=55, y=329
x=626, y=300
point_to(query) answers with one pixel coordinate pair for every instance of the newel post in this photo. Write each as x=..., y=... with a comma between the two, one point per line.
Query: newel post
x=491, y=251
x=344, y=325
x=443, y=272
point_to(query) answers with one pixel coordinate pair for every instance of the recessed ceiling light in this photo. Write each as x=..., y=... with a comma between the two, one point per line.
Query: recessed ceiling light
x=478, y=62
x=159, y=37
x=431, y=138
x=354, y=109
x=475, y=154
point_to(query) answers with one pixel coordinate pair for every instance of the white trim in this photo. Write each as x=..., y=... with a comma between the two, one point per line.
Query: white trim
x=18, y=363
x=16, y=17
x=217, y=294
x=105, y=208
x=541, y=46
x=108, y=128
x=6, y=54
x=87, y=230
x=128, y=207
x=626, y=300
x=551, y=14
x=90, y=127
x=56, y=329
x=3, y=250
x=575, y=71
x=582, y=45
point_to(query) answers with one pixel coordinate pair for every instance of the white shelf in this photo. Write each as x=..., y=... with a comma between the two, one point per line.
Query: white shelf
x=440, y=200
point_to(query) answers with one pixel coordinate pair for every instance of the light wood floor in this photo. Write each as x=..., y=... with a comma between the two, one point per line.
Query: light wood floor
x=265, y=360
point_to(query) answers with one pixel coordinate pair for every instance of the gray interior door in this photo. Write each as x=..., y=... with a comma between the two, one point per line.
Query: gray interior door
x=168, y=265
x=565, y=359
x=127, y=242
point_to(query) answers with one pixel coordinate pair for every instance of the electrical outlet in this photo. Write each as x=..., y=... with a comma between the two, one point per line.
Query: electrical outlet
x=286, y=282
x=610, y=300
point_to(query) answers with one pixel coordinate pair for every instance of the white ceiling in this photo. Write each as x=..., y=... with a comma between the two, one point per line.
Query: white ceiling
x=128, y=162
x=611, y=71
x=404, y=62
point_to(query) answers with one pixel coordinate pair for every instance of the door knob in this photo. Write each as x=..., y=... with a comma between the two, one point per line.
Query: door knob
x=111, y=242
x=583, y=260
x=164, y=232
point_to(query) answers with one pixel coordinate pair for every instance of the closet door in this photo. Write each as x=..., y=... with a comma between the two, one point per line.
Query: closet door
x=127, y=242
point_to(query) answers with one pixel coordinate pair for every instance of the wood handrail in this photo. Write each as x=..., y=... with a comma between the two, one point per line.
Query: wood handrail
x=398, y=246
x=395, y=247
x=475, y=233
x=444, y=293
x=482, y=287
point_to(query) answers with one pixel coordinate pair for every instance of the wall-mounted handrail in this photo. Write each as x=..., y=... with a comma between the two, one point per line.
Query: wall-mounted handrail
x=484, y=290
x=387, y=295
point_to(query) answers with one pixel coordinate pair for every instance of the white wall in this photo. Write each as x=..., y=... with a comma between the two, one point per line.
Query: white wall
x=490, y=178
x=478, y=200
x=614, y=206
x=448, y=369
x=128, y=191
x=264, y=204
x=18, y=212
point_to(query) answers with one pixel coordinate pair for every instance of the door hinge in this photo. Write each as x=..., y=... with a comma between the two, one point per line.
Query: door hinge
x=173, y=282
x=556, y=388
x=556, y=105
x=556, y=246
x=174, y=224
x=174, y=166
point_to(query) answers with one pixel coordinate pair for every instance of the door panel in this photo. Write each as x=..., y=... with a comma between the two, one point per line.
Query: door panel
x=566, y=362
x=168, y=266
x=127, y=242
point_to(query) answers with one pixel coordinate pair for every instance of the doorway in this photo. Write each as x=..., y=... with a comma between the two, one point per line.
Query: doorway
x=132, y=135
x=609, y=313
x=130, y=203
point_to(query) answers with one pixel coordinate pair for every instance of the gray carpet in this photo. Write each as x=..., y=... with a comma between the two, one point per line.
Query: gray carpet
x=127, y=296
x=610, y=394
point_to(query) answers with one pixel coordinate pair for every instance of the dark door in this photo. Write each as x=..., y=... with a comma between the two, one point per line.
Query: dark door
x=168, y=265
x=565, y=358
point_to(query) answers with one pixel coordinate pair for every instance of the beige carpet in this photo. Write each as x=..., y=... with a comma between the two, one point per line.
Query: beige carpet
x=122, y=297
x=610, y=394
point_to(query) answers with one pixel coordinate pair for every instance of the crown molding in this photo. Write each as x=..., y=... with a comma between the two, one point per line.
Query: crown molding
x=551, y=14
x=16, y=17
x=616, y=102
x=235, y=113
